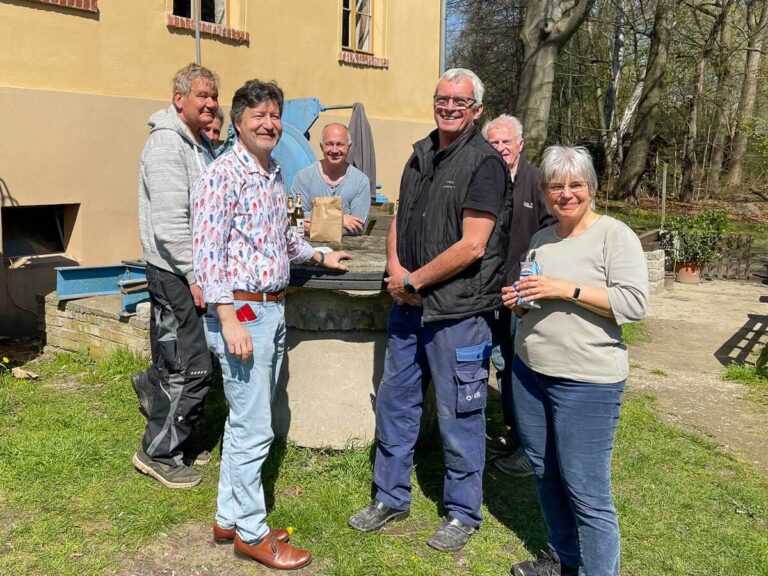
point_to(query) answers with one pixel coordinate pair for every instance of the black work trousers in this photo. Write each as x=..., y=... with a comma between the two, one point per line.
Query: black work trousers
x=181, y=366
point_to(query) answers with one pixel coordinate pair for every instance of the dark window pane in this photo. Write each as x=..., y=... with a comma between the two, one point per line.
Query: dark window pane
x=183, y=8
x=345, y=39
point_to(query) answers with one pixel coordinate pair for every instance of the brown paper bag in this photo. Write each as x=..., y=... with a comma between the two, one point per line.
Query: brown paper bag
x=326, y=224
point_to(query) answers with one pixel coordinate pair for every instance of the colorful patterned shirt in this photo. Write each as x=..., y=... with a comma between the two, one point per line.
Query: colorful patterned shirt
x=241, y=235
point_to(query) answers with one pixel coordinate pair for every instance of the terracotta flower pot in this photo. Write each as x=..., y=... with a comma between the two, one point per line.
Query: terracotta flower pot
x=688, y=273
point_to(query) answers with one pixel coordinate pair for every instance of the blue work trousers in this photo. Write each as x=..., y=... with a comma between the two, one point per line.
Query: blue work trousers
x=567, y=430
x=455, y=354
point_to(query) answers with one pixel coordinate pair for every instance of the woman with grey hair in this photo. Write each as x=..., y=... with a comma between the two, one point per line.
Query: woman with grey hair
x=571, y=366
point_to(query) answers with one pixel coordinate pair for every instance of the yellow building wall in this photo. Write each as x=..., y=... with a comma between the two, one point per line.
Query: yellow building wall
x=76, y=90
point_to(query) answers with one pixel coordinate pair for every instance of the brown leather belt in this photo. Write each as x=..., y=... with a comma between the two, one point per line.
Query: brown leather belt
x=259, y=296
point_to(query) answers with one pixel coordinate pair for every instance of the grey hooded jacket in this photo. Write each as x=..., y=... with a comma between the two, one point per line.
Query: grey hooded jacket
x=170, y=165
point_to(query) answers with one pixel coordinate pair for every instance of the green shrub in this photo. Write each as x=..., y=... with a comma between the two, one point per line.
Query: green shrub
x=695, y=239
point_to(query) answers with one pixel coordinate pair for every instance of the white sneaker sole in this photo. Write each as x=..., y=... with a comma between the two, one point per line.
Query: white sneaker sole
x=145, y=469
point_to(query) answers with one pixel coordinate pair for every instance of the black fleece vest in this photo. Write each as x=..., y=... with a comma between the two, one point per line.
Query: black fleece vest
x=477, y=288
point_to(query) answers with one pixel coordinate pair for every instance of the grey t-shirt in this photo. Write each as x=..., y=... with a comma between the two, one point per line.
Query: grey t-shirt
x=354, y=190
x=564, y=340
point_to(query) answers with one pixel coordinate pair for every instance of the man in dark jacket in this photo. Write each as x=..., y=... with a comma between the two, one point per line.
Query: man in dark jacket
x=529, y=214
x=445, y=259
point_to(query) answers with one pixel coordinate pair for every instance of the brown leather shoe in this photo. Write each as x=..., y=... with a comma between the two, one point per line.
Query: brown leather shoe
x=226, y=535
x=273, y=553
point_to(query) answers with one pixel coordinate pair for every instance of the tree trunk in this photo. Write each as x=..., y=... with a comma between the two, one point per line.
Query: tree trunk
x=722, y=104
x=756, y=26
x=690, y=163
x=549, y=24
x=614, y=154
x=633, y=168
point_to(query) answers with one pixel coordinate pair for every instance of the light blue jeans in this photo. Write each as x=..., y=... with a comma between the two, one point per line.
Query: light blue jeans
x=249, y=388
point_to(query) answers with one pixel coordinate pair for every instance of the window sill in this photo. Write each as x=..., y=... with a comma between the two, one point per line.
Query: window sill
x=84, y=5
x=207, y=28
x=362, y=59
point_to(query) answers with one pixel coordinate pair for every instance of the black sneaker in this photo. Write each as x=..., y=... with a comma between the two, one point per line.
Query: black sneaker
x=169, y=476
x=451, y=535
x=548, y=564
x=145, y=391
x=374, y=516
x=516, y=464
x=503, y=445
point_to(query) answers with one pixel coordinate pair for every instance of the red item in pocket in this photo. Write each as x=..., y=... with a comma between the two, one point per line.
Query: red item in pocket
x=245, y=313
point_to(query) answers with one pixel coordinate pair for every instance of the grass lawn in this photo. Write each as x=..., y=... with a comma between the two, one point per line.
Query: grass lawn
x=747, y=374
x=72, y=504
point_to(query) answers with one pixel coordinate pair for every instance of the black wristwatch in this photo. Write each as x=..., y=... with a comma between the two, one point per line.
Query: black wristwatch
x=576, y=292
x=408, y=286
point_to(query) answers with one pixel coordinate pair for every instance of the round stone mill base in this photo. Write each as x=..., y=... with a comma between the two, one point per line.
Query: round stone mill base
x=335, y=350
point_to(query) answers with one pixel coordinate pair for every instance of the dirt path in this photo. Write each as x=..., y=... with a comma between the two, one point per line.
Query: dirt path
x=693, y=331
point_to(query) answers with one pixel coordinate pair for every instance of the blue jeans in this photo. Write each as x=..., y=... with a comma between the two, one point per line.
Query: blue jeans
x=455, y=354
x=249, y=387
x=567, y=430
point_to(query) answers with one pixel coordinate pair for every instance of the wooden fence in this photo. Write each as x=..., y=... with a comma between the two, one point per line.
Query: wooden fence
x=735, y=261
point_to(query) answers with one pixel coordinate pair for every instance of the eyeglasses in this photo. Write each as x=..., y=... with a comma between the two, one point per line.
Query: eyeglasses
x=557, y=189
x=460, y=102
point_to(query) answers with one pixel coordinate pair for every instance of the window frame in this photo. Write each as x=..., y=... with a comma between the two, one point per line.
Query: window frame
x=352, y=19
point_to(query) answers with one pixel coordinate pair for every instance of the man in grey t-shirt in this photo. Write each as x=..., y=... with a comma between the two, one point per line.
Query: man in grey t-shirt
x=332, y=176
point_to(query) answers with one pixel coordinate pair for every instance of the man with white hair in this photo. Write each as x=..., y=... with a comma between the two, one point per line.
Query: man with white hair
x=332, y=176
x=529, y=214
x=445, y=257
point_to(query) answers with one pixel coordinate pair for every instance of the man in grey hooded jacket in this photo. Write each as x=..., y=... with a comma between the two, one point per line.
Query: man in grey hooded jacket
x=172, y=390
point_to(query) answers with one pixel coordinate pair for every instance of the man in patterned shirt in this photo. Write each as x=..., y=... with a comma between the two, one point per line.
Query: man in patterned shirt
x=243, y=244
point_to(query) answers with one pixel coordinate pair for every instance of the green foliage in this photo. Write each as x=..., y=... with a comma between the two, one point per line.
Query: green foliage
x=696, y=239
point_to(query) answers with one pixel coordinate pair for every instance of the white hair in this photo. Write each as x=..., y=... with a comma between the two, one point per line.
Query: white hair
x=456, y=74
x=557, y=161
x=502, y=121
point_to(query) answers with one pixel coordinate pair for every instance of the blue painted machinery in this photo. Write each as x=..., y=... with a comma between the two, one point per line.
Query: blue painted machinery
x=294, y=152
x=128, y=280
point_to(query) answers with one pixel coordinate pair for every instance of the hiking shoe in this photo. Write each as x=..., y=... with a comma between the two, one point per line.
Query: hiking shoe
x=197, y=457
x=374, y=516
x=451, y=535
x=548, y=564
x=145, y=391
x=506, y=444
x=169, y=476
x=516, y=464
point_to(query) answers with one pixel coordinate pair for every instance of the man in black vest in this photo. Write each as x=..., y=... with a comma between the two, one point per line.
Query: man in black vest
x=445, y=259
x=529, y=214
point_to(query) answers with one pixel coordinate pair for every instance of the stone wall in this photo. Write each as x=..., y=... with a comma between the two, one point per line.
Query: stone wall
x=92, y=326
x=655, y=261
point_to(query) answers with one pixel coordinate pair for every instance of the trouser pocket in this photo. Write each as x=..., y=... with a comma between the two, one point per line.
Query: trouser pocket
x=472, y=390
x=472, y=377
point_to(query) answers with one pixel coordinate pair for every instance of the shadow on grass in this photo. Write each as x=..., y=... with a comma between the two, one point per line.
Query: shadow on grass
x=209, y=435
x=513, y=502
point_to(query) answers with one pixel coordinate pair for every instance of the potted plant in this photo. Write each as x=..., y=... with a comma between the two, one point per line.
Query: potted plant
x=694, y=242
